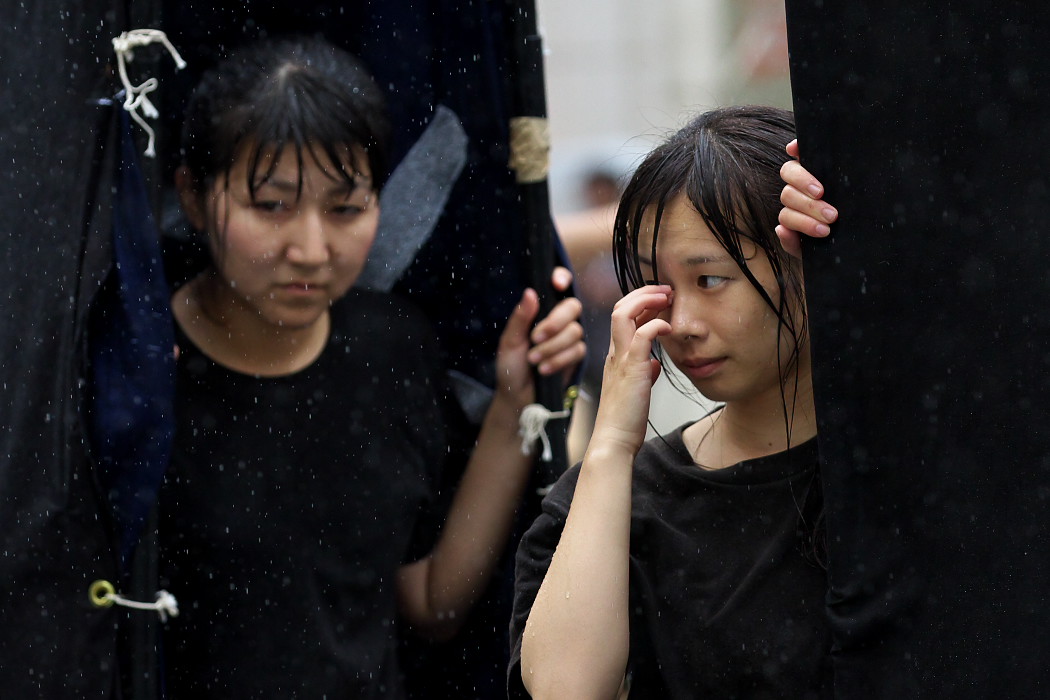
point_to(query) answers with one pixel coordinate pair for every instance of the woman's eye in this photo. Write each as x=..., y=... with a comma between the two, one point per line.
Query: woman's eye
x=347, y=210
x=710, y=281
x=268, y=205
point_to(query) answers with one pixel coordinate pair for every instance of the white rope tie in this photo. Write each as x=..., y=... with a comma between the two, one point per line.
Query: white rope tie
x=102, y=594
x=533, y=424
x=135, y=96
x=165, y=605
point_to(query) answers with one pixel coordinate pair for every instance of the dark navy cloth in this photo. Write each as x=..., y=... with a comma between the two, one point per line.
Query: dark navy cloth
x=132, y=339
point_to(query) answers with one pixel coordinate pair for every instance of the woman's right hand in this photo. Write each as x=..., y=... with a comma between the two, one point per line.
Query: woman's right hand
x=805, y=211
x=577, y=638
x=630, y=369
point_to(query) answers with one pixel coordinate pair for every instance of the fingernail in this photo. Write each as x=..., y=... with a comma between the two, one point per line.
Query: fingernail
x=814, y=190
x=823, y=229
x=534, y=357
x=830, y=213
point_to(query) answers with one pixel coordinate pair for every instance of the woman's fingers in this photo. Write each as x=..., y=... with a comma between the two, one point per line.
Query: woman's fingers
x=655, y=368
x=558, y=338
x=790, y=241
x=804, y=211
x=565, y=314
x=516, y=330
x=554, y=360
x=635, y=318
x=798, y=203
x=630, y=369
x=561, y=278
x=793, y=174
x=803, y=222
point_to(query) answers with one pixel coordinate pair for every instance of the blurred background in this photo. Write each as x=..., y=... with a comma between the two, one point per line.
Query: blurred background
x=621, y=75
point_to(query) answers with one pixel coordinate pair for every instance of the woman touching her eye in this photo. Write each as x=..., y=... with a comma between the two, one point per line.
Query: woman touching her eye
x=690, y=565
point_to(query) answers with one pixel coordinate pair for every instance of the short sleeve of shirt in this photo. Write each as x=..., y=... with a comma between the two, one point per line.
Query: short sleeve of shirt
x=458, y=439
x=440, y=427
x=531, y=563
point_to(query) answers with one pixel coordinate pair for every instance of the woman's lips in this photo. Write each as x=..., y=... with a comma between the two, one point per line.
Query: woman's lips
x=302, y=288
x=703, y=368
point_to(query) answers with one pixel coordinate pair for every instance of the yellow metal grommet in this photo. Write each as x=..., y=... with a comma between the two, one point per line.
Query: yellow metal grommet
x=99, y=593
x=571, y=394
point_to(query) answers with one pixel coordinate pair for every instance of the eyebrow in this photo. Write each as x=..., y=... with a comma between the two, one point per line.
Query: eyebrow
x=696, y=260
x=340, y=186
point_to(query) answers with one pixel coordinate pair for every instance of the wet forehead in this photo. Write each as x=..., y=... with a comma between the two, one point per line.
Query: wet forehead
x=683, y=238
x=282, y=170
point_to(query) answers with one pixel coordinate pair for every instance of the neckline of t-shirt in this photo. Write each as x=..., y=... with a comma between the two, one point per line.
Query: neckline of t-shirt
x=189, y=349
x=778, y=466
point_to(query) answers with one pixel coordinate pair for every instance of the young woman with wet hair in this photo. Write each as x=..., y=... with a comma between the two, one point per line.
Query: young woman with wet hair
x=688, y=566
x=302, y=514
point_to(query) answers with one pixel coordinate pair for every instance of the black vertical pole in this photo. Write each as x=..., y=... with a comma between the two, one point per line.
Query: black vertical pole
x=529, y=146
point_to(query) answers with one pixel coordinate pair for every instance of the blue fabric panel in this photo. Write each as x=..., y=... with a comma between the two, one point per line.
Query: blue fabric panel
x=131, y=350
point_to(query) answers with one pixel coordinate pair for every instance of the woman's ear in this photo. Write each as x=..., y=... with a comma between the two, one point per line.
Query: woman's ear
x=191, y=199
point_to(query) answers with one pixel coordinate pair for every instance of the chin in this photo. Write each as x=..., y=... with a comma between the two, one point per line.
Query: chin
x=294, y=322
x=716, y=391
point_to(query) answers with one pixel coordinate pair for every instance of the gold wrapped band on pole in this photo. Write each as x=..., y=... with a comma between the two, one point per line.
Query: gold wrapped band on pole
x=530, y=145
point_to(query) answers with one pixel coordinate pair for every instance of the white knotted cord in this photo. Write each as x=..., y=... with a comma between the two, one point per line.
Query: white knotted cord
x=135, y=96
x=165, y=605
x=533, y=425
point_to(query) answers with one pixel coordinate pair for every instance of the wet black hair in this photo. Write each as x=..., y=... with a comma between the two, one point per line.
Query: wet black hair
x=727, y=163
x=301, y=92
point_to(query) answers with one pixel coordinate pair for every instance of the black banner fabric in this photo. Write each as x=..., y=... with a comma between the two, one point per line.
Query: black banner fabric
x=55, y=67
x=927, y=122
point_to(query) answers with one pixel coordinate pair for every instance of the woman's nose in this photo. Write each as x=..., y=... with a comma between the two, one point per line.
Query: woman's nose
x=686, y=319
x=308, y=244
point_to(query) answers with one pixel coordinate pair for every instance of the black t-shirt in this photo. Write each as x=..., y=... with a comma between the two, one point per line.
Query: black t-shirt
x=725, y=601
x=290, y=504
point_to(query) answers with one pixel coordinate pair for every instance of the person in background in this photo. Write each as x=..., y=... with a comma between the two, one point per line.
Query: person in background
x=587, y=238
